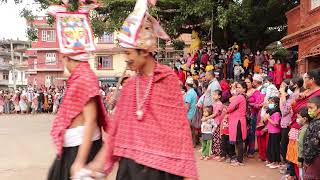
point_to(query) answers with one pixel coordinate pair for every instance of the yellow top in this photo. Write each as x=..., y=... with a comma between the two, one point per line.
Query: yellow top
x=209, y=68
x=246, y=63
x=195, y=77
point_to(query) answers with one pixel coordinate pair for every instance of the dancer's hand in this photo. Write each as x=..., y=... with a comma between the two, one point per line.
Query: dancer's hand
x=76, y=167
x=95, y=166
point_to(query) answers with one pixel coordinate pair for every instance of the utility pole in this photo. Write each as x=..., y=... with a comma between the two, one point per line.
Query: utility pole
x=212, y=30
x=13, y=66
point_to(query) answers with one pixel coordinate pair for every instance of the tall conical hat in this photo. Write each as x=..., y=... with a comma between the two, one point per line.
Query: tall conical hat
x=140, y=30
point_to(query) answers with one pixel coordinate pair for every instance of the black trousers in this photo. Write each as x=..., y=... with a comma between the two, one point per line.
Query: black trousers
x=273, y=151
x=227, y=149
x=284, y=143
x=130, y=170
x=239, y=144
x=229, y=71
x=60, y=169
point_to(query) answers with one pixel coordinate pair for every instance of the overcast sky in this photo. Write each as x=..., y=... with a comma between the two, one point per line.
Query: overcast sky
x=12, y=25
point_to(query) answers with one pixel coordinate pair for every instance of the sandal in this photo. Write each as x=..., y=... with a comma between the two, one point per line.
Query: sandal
x=216, y=158
x=221, y=159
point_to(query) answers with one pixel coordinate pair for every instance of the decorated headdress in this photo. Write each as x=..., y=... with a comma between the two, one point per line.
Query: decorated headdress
x=140, y=30
x=73, y=28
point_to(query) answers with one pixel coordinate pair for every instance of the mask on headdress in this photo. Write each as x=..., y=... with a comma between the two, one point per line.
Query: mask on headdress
x=140, y=30
x=73, y=29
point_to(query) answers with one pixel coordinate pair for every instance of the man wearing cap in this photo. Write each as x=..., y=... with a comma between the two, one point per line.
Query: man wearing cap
x=190, y=99
x=261, y=131
x=150, y=134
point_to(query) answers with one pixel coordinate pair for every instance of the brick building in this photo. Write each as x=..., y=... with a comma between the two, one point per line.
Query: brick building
x=304, y=34
x=45, y=64
x=45, y=61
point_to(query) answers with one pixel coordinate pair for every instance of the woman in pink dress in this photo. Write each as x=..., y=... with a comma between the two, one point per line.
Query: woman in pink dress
x=236, y=112
x=254, y=100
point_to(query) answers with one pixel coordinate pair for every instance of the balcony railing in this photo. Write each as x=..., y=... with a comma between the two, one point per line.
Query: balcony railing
x=4, y=82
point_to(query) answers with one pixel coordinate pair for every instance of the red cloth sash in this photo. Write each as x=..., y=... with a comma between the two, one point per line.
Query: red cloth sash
x=82, y=86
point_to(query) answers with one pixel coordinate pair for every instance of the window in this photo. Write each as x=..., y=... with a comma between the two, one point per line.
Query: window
x=105, y=62
x=315, y=4
x=22, y=76
x=50, y=58
x=5, y=76
x=106, y=38
x=48, y=35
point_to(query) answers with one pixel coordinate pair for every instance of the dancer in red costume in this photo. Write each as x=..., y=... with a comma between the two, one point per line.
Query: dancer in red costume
x=149, y=135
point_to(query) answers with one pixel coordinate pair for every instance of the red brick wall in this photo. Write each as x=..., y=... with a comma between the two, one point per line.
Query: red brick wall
x=305, y=46
x=40, y=78
x=309, y=17
x=293, y=17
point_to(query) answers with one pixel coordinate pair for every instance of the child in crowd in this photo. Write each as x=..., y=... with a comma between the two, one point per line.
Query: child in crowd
x=208, y=126
x=311, y=148
x=273, y=117
x=227, y=149
x=217, y=107
x=238, y=71
x=303, y=120
x=271, y=73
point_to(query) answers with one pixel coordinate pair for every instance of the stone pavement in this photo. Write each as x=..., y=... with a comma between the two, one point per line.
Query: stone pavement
x=27, y=152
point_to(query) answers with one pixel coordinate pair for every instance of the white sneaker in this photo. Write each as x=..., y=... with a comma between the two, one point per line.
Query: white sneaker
x=269, y=164
x=274, y=166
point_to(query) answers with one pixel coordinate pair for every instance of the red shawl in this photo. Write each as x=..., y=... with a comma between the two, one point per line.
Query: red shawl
x=300, y=103
x=82, y=85
x=162, y=139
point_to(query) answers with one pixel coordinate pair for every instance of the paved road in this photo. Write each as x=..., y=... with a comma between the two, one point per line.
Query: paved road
x=27, y=152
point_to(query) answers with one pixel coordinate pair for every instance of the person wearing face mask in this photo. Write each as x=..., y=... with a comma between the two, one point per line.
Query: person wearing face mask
x=270, y=90
x=303, y=120
x=286, y=111
x=311, y=145
x=272, y=118
x=237, y=112
x=312, y=84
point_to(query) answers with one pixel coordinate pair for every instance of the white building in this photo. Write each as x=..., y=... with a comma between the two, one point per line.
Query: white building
x=12, y=72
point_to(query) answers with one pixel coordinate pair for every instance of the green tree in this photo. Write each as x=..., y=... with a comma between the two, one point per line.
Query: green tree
x=258, y=23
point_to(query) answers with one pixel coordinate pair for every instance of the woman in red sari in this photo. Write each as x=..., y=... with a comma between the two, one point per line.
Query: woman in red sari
x=278, y=73
x=288, y=71
x=311, y=82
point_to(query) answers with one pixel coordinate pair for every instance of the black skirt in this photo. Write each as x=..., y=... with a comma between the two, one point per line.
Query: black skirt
x=130, y=170
x=273, y=151
x=60, y=169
